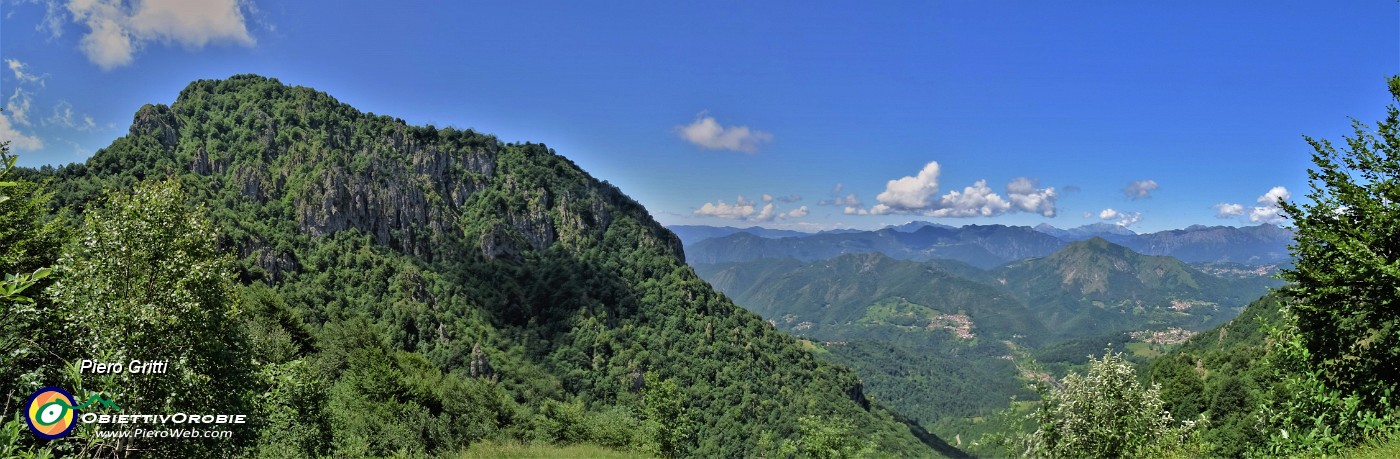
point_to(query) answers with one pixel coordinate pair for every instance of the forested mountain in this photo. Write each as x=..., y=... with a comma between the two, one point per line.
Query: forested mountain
x=1095, y=286
x=927, y=338
x=990, y=245
x=870, y=289
x=415, y=290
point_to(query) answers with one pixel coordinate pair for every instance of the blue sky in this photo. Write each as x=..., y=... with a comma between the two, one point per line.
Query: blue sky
x=1155, y=115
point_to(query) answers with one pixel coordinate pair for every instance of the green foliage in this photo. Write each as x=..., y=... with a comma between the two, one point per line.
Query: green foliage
x=144, y=281
x=1306, y=413
x=13, y=287
x=1345, y=284
x=930, y=383
x=1105, y=413
x=668, y=422
x=825, y=438
x=517, y=450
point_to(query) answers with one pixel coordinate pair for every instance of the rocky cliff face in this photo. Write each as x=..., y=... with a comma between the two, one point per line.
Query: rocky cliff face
x=407, y=187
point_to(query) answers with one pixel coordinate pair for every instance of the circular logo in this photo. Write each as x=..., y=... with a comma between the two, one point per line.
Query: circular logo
x=50, y=413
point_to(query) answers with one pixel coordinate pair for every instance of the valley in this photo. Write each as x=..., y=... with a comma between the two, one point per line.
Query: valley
x=953, y=341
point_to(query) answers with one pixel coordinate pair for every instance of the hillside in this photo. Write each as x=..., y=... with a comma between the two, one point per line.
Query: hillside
x=867, y=289
x=1096, y=286
x=394, y=253
x=1217, y=373
x=928, y=339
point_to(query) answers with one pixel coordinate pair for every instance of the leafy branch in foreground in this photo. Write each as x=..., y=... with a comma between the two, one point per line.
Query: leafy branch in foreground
x=1106, y=413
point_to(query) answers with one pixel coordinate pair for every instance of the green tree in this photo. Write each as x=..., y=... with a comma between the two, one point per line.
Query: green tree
x=1338, y=353
x=143, y=281
x=26, y=243
x=667, y=419
x=821, y=437
x=1106, y=413
x=1345, y=282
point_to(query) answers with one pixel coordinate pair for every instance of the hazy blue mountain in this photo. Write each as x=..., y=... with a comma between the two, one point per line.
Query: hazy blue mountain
x=984, y=246
x=1109, y=231
x=1255, y=245
x=916, y=225
x=691, y=234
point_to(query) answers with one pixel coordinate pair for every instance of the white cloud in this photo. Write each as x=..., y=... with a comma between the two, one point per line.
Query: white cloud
x=767, y=214
x=1271, y=215
x=1269, y=211
x=63, y=116
x=18, y=68
x=857, y=211
x=18, y=140
x=18, y=107
x=707, y=133
x=54, y=18
x=1140, y=189
x=910, y=193
x=1026, y=197
x=740, y=210
x=919, y=194
x=836, y=190
x=1227, y=210
x=744, y=209
x=1125, y=219
x=977, y=200
x=117, y=31
x=1274, y=195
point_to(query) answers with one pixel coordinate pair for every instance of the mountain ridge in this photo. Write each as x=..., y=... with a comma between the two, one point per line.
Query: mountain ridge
x=1255, y=245
x=425, y=249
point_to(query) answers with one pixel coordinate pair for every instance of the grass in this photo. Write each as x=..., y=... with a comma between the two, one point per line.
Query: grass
x=1143, y=350
x=1387, y=449
x=513, y=450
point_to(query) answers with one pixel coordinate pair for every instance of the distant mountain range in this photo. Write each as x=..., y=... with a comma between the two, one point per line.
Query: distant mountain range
x=1085, y=288
x=985, y=246
x=702, y=232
